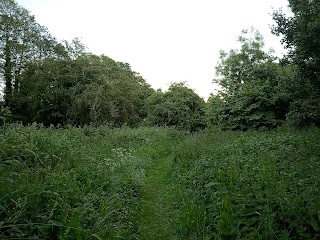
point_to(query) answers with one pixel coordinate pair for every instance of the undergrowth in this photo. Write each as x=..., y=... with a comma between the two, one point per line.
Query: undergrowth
x=92, y=183
x=254, y=185
x=74, y=183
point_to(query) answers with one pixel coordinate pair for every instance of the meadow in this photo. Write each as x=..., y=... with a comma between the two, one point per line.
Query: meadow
x=158, y=183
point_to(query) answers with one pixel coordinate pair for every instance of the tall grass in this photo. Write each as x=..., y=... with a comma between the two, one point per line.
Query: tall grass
x=250, y=185
x=91, y=182
x=73, y=183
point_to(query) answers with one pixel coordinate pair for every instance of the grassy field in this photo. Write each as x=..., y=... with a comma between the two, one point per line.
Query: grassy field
x=155, y=183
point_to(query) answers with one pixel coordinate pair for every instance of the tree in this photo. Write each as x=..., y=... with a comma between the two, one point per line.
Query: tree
x=89, y=89
x=300, y=35
x=237, y=67
x=22, y=40
x=119, y=97
x=45, y=94
x=54, y=83
x=252, y=94
x=75, y=49
x=179, y=107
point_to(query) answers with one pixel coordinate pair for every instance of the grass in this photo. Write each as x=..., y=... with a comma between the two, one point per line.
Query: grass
x=155, y=218
x=253, y=185
x=72, y=183
x=154, y=183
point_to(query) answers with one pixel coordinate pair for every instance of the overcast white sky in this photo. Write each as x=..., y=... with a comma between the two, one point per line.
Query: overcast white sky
x=164, y=40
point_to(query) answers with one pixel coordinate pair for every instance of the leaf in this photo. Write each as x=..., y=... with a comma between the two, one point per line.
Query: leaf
x=74, y=221
x=210, y=184
x=314, y=224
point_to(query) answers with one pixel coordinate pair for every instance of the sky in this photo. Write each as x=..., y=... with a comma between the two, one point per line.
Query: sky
x=164, y=40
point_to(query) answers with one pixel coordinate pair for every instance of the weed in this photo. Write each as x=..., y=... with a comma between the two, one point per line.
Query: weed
x=144, y=183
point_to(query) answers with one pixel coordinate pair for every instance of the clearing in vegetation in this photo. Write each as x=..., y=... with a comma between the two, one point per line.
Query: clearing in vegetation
x=156, y=183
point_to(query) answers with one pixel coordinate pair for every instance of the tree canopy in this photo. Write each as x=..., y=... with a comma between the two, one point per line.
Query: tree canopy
x=300, y=35
x=23, y=40
x=89, y=89
x=53, y=82
x=251, y=95
x=179, y=107
x=259, y=90
x=58, y=83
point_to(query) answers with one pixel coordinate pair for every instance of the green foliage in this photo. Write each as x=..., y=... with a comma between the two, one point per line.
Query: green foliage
x=300, y=35
x=253, y=94
x=75, y=49
x=75, y=183
x=237, y=66
x=52, y=83
x=180, y=107
x=90, y=89
x=5, y=115
x=22, y=40
x=305, y=112
x=144, y=183
x=250, y=185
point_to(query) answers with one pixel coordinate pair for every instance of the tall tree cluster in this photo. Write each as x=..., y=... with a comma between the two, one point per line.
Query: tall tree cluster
x=301, y=36
x=61, y=83
x=252, y=93
x=53, y=82
x=261, y=91
x=88, y=90
x=23, y=40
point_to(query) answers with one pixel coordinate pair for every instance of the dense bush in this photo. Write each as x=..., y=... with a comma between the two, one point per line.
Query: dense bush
x=180, y=107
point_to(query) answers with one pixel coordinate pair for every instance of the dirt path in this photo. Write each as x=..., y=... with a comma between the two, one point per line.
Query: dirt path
x=156, y=222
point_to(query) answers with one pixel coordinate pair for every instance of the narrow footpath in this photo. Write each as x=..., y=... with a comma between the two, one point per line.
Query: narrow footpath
x=156, y=221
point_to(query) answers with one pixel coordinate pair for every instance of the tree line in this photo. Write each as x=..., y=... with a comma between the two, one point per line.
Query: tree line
x=60, y=83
